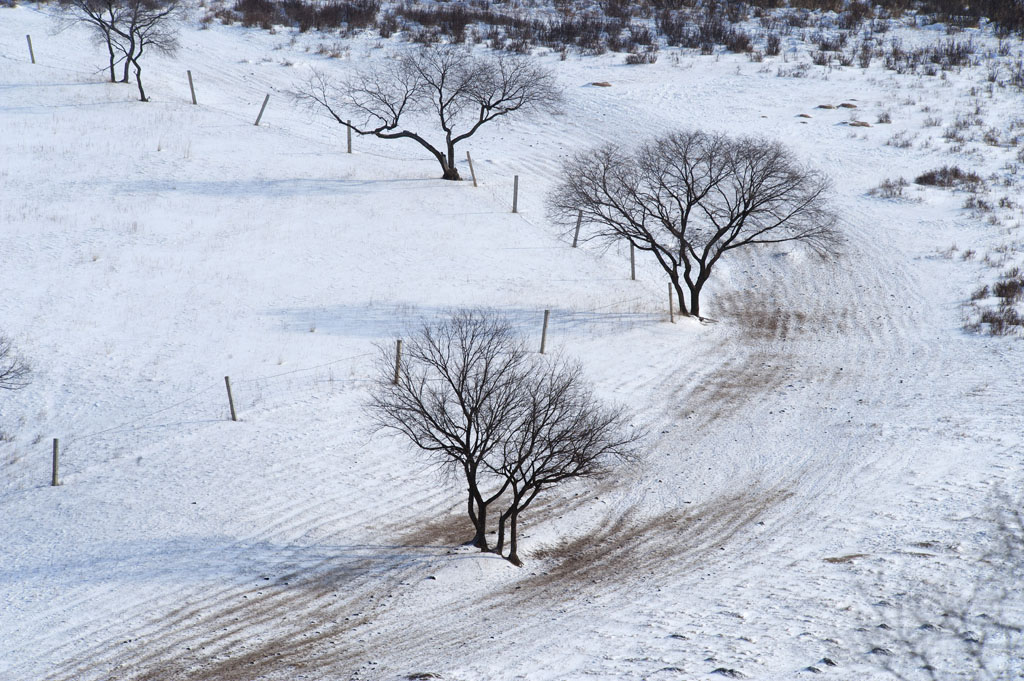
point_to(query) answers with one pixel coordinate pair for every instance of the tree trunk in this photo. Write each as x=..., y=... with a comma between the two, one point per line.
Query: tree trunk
x=471, y=511
x=695, y=289
x=480, y=539
x=110, y=48
x=513, y=543
x=450, y=172
x=500, y=546
x=128, y=63
x=138, y=80
x=680, y=298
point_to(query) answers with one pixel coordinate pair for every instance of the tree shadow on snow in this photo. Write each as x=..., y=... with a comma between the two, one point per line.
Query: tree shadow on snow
x=375, y=321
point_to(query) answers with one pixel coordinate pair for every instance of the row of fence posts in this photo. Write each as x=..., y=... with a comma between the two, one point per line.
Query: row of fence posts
x=55, y=477
x=348, y=131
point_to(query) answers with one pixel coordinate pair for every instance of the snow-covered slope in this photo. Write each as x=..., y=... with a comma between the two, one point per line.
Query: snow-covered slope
x=834, y=438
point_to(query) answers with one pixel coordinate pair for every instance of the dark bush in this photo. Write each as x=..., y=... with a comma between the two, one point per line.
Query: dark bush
x=674, y=26
x=1002, y=321
x=830, y=43
x=738, y=41
x=949, y=176
x=262, y=13
x=951, y=53
x=1011, y=287
x=306, y=16
x=648, y=57
x=695, y=24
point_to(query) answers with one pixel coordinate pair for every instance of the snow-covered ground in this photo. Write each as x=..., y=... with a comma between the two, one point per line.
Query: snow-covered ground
x=826, y=449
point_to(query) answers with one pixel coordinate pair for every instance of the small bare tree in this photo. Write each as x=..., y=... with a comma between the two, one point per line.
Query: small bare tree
x=499, y=418
x=690, y=197
x=127, y=28
x=15, y=372
x=563, y=433
x=447, y=83
x=456, y=397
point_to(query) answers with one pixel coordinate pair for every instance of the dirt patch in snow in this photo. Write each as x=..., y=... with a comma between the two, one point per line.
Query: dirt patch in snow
x=646, y=547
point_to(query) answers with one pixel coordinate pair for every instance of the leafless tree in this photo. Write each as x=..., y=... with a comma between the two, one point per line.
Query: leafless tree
x=504, y=421
x=456, y=398
x=563, y=433
x=14, y=370
x=128, y=28
x=690, y=197
x=446, y=83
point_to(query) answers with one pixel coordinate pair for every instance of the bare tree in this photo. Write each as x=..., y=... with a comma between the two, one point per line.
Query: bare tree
x=457, y=90
x=14, y=370
x=127, y=28
x=563, y=433
x=456, y=397
x=690, y=197
x=504, y=421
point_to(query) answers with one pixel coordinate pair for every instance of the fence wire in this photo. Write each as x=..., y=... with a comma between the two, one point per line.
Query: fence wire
x=136, y=436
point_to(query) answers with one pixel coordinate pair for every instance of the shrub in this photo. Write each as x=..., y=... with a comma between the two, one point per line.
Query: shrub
x=889, y=189
x=738, y=41
x=306, y=16
x=1002, y=321
x=1011, y=287
x=648, y=57
x=949, y=176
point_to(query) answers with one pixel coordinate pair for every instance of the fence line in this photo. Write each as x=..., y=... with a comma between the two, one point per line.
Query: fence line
x=208, y=405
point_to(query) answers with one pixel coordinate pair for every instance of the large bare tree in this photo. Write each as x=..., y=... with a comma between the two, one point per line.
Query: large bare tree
x=690, y=197
x=458, y=91
x=128, y=28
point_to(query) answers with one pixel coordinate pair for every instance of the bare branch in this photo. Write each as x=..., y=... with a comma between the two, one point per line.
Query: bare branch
x=15, y=371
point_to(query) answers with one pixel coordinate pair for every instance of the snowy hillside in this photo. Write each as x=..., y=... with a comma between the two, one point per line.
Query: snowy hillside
x=827, y=449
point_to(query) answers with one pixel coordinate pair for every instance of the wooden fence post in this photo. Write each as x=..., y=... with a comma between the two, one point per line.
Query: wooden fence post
x=192, y=88
x=348, y=129
x=544, y=333
x=398, y=360
x=231, y=400
x=515, y=195
x=632, y=262
x=262, y=108
x=576, y=236
x=31, y=53
x=55, y=479
x=471, y=171
x=671, y=311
